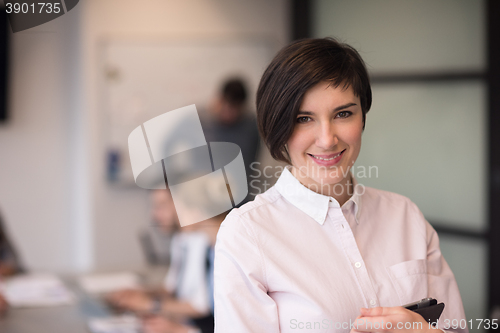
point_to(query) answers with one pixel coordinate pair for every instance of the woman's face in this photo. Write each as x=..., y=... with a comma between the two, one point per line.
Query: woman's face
x=327, y=136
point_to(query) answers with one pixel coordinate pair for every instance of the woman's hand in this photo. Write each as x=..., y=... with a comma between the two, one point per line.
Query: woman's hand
x=131, y=299
x=163, y=325
x=394, y=319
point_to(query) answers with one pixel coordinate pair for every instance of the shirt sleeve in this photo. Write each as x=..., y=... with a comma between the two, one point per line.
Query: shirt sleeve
x=443, y=286
x=242, y=303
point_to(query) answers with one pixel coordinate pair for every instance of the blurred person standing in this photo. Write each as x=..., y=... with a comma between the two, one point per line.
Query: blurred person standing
x=229, y=120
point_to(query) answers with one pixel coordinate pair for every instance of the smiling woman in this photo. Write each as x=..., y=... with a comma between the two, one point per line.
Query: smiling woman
x=314, y=249
x=327, y=138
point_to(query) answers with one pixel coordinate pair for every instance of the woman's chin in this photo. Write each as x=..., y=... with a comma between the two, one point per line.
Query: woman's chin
x=327, y=181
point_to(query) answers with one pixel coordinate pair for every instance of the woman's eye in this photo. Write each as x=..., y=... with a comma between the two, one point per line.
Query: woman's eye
x=302, y=120
x=344, y=114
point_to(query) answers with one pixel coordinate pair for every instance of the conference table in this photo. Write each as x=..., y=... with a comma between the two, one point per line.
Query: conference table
x=71, y=318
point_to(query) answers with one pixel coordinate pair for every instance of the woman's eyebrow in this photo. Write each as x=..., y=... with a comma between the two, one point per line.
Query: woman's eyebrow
x=338, y=108
x=307, y=113
x=345, y=106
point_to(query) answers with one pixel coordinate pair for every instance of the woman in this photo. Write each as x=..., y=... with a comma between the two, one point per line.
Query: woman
x=317, y=250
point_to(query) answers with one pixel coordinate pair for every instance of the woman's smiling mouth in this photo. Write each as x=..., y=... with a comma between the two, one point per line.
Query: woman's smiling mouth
x=326, y=157
x=327, y=160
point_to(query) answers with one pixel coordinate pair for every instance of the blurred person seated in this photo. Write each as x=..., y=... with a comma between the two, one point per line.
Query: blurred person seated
x=156, y=240
x=229, y=120
x=9, y=262
x=159, y=324
x=185, y=304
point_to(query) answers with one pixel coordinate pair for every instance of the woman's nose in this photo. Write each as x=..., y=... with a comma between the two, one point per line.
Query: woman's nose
x=326, y=137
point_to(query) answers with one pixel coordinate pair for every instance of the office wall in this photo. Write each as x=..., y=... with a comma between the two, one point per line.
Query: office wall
x=35, y=145
x=60, y=210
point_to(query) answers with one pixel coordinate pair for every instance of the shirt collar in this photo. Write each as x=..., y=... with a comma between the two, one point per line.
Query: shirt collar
x=313, y=204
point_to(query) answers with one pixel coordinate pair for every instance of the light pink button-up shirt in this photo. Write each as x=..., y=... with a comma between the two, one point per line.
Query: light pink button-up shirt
x=295, y=261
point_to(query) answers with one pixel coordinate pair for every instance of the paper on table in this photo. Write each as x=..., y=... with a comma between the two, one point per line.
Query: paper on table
x=116, y=324
x=104, y=283
x=36, y=290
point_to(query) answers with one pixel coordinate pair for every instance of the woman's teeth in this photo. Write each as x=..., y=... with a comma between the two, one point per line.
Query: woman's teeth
x=327, y=159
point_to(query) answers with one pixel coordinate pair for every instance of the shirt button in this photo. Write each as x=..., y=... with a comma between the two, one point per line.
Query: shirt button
x=373, y=302
x=357, y=265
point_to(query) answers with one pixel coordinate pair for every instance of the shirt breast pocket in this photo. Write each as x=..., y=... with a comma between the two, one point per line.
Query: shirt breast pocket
x=410, y=280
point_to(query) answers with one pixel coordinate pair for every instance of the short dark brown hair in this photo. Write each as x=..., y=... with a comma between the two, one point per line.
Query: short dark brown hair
x=297, y=68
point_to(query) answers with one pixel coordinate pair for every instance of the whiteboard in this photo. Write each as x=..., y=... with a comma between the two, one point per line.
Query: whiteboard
x=143, y=79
